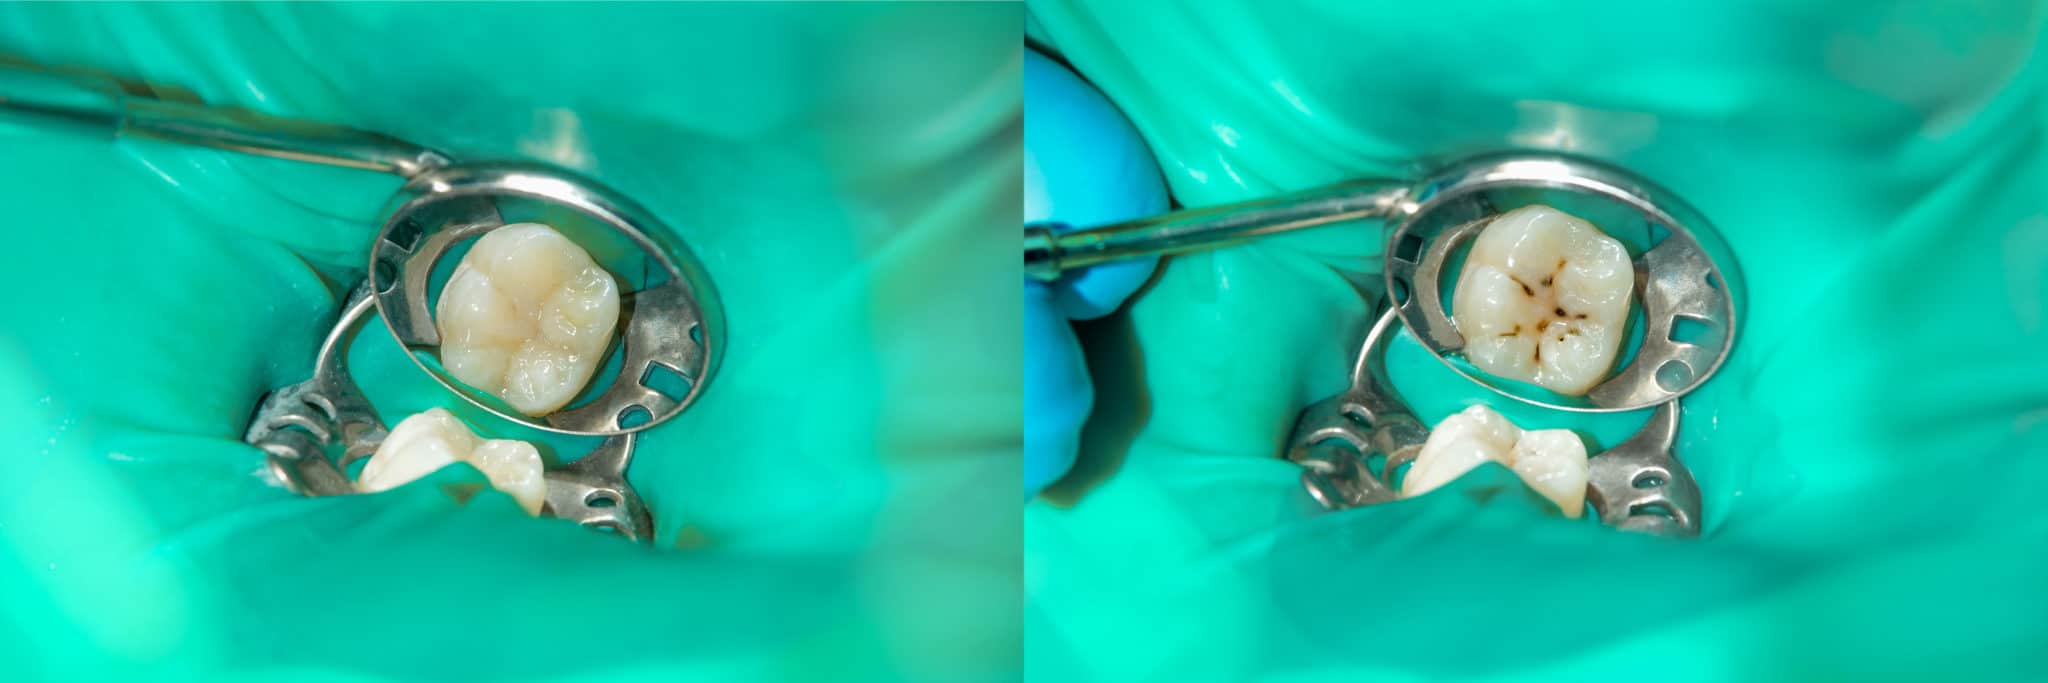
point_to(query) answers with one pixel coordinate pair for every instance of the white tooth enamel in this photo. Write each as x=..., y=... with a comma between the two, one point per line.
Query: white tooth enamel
x=1457, y=444
x=1550, y=461
x=1543, y=298
x=527, y=316
x=434, y=439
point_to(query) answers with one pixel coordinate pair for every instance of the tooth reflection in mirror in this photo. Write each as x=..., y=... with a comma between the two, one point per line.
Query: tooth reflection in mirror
x=527, y=316
x=1550, y=461
x=1544, y=298
x=434, y=439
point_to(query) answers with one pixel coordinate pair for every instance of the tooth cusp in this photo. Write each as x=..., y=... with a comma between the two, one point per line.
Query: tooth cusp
x=434, y=439
x=1543, y=298
x=527, y=316
x=1552, y=462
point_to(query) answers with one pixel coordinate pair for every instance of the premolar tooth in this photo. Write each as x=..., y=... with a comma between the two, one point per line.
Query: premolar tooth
x=1543, y=298
x=527, y=316
x=1459, y=443
x=1550, y=461
x=1553, y=462
x=434, y=439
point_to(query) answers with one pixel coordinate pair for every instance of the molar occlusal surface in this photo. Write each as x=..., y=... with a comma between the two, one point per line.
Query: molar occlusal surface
x=1544, y=298
x=527, y=316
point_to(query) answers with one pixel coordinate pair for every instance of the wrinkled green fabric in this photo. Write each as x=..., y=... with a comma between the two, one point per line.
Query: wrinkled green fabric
x=838, y=505
x=1869, y=455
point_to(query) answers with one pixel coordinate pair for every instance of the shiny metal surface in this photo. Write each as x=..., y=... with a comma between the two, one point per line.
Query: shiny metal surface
x=1688, y=279
x=1049, y=252
x=1352, y=448
x=673, y=326
x=1640, y=485
x=593, y=491
x=1345, y=442
x=97, y=106
x=1688, y=282
x=313, y=432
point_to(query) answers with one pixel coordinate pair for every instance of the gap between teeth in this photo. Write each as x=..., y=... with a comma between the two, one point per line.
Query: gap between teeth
x=1550, y=461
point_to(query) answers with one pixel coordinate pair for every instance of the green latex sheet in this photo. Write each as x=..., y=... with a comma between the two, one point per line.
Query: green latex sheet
x=839, y=505
x=1869, y=456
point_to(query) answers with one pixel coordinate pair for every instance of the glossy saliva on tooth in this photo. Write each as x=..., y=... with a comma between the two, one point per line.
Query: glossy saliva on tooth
x=1552, y=462
x=434, y=439
x=1544, y=298
x=527, y=316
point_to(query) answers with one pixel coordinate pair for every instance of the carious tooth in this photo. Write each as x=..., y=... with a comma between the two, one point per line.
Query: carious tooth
x=434, y=439
x=1550, y=461
x=527, y=316
x=1544, y=298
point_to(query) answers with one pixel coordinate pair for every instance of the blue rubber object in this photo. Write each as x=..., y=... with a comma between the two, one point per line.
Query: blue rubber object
x=1085, y=165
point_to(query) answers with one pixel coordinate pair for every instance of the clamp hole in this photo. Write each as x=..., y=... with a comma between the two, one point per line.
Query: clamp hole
x=385, y=279
x=405, y=235
x=1409, y=248
x=1658, y=509
x=1357, y=417
x=601, y=499
x=1673, y=375
x=607, y=526
x=666, y=381
x=1648, y=480
x=1686, y=329
x=634, y=416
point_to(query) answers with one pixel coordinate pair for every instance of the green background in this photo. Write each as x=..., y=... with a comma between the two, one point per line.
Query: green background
x=839, y=505
x=1870, y=457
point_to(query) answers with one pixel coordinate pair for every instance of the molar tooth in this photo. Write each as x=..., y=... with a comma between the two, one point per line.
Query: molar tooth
x=1550, y=461
x=434, y=439
x=527, y=316
x=1544, y=298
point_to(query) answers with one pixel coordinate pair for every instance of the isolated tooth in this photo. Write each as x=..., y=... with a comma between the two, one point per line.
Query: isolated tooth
x=1457, y=444
x=1553, y=462
x=1543, y=298
x=1550, y=461
x=527, y=316
x=434, y=439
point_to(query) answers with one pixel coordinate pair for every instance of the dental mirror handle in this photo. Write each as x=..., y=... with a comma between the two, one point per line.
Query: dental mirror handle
x=1048, y=253
x=98, y=107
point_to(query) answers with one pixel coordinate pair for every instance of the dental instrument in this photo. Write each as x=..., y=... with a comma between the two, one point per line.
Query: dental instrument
x=314, y=431
x=1353, y=445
